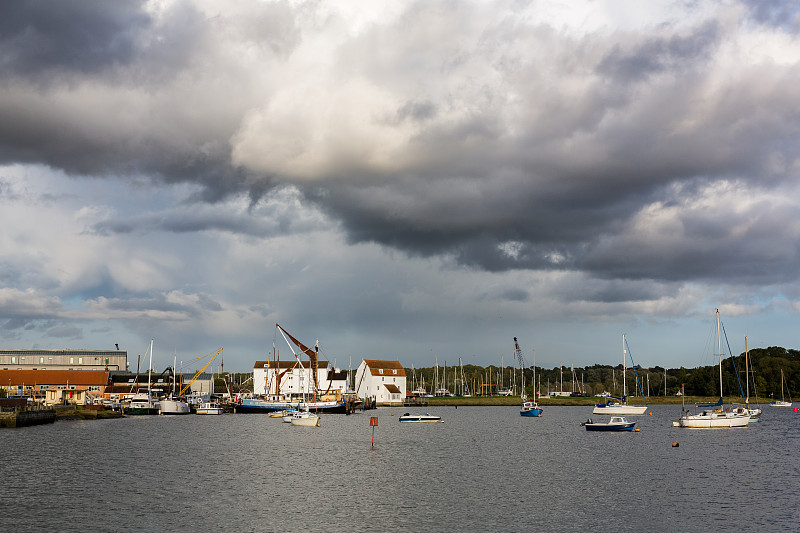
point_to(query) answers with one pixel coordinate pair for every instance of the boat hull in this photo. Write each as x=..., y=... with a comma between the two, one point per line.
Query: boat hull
x=261, y=406
x=306, y=421
x=136, y=411
x=619, y=409
x=610, y=427
x=531, y=412
x=711, y=422
x=173, y=407
x=209, y=409
x=420, y=419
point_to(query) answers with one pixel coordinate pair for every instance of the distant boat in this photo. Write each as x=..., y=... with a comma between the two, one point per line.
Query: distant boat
x=782, y=402
x=754, y=412
x=619, y=405
x=528, y=408
x=173, y=406
x=141, y=403
x=144, y=403
x=209, y=408
x=288, y=414
x=617, y=423
x=714, y=415
x=305, y=418
x=422, y=417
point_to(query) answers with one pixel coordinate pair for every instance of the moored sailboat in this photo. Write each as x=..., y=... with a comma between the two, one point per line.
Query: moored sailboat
x=528, y=408
x=782, y=402
x=616, y=405
x=715, y=415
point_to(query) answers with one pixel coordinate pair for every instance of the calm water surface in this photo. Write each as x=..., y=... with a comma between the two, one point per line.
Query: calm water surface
x=482, y=469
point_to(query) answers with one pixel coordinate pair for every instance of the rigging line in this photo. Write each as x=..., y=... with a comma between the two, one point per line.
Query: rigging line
x=735, y=371
x=630, y=355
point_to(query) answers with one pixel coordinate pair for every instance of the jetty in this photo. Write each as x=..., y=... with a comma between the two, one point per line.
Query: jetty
x=15, y=413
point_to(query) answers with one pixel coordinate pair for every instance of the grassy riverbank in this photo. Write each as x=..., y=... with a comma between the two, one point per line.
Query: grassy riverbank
x=515, y=400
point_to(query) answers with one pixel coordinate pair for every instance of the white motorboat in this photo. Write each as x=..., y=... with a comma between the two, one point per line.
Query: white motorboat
x=421, y=417
x=288, y=414
x=617, y=423
x=209, y=408
x=305, y=418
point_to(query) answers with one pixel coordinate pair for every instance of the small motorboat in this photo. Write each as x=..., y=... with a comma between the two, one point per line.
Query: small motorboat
x=305, y=418
x=209, y=408
x=421, y=417
x=617, y=423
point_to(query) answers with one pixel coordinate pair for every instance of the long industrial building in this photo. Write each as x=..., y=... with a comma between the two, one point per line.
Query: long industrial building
x=106, y=360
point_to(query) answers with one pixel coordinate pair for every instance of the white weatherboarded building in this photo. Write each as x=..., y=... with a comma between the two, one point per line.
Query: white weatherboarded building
x=296, y=380
x=385, y=381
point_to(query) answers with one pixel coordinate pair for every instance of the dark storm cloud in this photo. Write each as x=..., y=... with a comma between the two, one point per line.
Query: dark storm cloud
x=87, y=89
x=38, y=36
x=459, y=130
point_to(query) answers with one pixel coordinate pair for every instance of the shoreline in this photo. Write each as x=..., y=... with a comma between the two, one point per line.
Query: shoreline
x=444, y=401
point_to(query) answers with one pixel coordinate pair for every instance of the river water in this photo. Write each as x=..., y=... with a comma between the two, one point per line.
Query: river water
x=481, y=469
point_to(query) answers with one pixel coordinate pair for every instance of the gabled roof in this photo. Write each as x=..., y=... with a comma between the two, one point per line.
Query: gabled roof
x=288, y=364
x=385, y=368
x=53, y=377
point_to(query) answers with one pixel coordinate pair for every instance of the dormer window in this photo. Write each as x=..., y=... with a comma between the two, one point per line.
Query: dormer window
x=380, y=371
x=394, y=371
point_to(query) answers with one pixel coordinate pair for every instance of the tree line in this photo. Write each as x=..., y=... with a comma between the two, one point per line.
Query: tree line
x=765, y=365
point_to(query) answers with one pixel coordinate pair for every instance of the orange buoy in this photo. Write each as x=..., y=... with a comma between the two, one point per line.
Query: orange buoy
x=675, y=444
x=650, y=413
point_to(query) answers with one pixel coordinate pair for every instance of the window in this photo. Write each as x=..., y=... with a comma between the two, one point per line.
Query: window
x=71, y=361
x=380, y=370
x=383, y=379
x=94, y=388
x=13, y=360
x=62, y=387
x=41, y=359
x=394, y=371
x=80, y=360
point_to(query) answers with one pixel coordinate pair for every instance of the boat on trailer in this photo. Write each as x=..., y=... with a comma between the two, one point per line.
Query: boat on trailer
x=617, y=423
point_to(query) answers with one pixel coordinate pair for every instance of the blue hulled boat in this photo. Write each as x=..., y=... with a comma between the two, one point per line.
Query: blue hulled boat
x=617, y=423
x=530, y=409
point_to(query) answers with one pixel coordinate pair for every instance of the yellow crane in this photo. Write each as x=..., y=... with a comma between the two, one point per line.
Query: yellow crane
x=199, y=372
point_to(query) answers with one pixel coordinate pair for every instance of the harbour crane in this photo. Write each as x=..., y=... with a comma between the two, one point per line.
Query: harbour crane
x=198, y=373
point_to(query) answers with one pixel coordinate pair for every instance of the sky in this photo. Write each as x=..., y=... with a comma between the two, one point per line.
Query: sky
x=418, y=181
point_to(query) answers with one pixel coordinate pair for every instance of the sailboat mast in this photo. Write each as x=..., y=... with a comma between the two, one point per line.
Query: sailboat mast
x=624, y=382
x=719, y=351
x=149, y=370
x=746, y=372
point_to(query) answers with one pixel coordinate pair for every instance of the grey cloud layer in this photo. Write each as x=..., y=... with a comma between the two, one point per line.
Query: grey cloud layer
x=467, y=130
